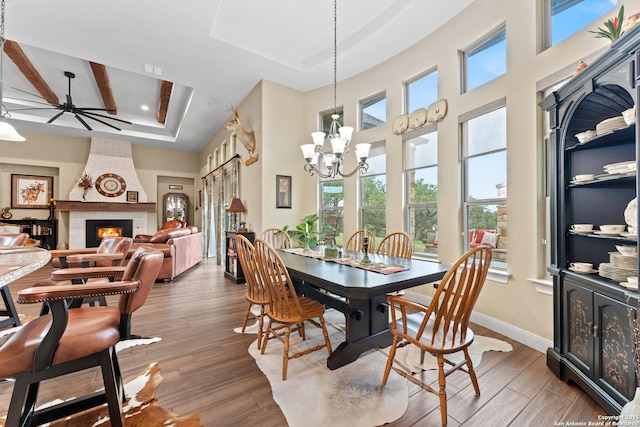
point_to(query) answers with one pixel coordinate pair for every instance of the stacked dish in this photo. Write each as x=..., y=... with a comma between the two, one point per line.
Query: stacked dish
x=609, y=125
x=621, y=167
x=619, y=267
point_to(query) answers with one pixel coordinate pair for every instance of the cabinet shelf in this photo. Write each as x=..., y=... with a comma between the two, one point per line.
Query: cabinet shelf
x=606, y=180
x=232, y=267
x=43, y=232
x=619, y=136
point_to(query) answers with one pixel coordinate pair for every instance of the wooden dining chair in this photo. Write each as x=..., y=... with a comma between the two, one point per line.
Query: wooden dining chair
x=356, y=240
x=257, y=293
x=72, y=340
x=286, y=309
x=277, y=238
x=397, y=244
x=442, y=328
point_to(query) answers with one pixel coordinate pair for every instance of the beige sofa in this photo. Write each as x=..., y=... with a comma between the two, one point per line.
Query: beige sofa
x=182, y=249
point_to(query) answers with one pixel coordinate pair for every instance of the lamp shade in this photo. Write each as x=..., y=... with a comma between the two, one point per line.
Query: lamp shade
x=235, y=205
x=8, y=133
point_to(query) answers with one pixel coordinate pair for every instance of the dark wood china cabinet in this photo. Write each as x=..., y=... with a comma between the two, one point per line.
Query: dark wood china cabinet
x=593, y=340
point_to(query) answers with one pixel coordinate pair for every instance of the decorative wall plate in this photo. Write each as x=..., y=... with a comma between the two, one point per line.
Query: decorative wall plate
x=110, y=185
x=418, y=118
x=631, y=212
x=400, y=124
x=437, y=111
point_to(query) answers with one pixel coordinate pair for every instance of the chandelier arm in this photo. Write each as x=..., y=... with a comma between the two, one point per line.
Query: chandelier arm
x=361, y=167
x=311, y=170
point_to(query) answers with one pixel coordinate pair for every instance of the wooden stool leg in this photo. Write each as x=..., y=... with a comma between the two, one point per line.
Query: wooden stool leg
x=10, y=311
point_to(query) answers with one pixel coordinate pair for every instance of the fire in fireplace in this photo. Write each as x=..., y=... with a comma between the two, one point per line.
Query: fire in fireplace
x=96, y=229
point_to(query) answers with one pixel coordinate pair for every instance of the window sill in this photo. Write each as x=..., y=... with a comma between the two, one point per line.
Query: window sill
x=500, y=276
x=544, y=286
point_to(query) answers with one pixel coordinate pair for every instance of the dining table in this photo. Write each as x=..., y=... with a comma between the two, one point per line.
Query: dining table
x=17, y=262
x=358, y=291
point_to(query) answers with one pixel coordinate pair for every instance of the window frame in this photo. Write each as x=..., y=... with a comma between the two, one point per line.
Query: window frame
x=406, y=137
x=465, y=53
x=365, y=207
x=497, y=201
x=407, y=93
x=328, y=210
x=377, y=97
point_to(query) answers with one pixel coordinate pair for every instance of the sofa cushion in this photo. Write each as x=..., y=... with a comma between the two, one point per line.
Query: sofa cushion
x=163, y=235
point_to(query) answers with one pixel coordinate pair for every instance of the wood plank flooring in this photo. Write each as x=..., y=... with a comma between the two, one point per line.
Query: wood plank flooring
x=207, y=369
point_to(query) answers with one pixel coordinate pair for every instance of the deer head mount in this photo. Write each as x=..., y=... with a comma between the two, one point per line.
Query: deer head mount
x=245, y=136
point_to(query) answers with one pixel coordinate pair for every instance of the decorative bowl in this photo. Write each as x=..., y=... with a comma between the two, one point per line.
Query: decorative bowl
x=629, y=115
x=627, y=250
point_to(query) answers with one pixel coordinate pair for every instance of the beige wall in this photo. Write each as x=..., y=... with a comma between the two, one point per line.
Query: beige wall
x=288, y=118
x=64, y=158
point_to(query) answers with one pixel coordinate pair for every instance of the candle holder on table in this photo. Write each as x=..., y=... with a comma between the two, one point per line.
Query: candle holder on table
x=365, y=246
x=306, y=242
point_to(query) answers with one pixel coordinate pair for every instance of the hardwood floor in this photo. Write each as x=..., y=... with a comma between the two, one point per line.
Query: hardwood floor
x=207, y=369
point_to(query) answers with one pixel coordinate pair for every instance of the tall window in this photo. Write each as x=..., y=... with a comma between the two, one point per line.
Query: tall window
x=421, y=175
x=373, y=192
x=484, y=151
x=485, y=60
x=566, y=17
x=331, y=208
x=373, y=111
x=422, y=91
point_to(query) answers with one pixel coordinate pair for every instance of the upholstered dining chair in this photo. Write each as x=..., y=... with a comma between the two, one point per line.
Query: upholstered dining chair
x=17, y=239
x=356, y=241
x=286, y=309
x=397, y=244
x=127, y=304
x=111, y=252
x=71, y=340
x=277, y=238
x=442, y=328
x=257, y=293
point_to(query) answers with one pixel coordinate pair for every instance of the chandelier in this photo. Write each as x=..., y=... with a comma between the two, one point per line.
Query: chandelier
x=7, y=132
x=339, y=136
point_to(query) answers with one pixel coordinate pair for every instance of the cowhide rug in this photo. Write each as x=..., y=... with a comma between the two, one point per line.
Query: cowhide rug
x=348, y=396
x=140, y=408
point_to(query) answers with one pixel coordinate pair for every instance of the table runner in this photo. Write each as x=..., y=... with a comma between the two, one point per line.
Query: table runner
x=376, y=267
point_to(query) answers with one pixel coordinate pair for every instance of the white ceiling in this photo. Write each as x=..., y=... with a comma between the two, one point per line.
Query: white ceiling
x=214, y=51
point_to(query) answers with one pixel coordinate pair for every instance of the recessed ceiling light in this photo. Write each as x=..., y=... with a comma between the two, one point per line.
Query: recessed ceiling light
x=144, y=107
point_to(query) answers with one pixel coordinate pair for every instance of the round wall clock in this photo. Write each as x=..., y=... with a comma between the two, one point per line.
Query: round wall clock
x=110, y=185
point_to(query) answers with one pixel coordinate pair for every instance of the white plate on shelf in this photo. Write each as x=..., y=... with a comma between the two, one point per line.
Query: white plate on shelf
x=628, y=285
x=580, y=232
x=583, y=271
x=607, y=233
x=627, y=234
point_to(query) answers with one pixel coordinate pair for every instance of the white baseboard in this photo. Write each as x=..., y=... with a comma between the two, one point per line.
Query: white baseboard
x=508, y=330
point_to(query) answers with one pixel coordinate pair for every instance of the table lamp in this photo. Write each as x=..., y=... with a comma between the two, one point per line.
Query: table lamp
x=235, y=207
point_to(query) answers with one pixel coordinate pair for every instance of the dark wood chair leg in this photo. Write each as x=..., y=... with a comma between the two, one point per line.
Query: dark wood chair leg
x=111, y=387
x=18, y=399
x=10, y=309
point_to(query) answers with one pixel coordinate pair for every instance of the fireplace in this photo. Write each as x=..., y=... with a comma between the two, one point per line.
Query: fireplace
x=96, y=229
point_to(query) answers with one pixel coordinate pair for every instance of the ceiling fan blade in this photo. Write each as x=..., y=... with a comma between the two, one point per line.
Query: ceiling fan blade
x=55, y=117
x=34, y=108
x=97, y=120
x=103, y=116
x=28, y=93
x=82, y=121
x=92, y=109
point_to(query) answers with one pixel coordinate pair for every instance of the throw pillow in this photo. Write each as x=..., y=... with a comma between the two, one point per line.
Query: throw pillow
x=490, y=239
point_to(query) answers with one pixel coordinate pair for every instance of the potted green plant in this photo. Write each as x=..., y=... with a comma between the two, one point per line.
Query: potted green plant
x=306, y=233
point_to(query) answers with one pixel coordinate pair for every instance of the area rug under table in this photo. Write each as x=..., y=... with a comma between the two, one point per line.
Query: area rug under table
x=314, y=395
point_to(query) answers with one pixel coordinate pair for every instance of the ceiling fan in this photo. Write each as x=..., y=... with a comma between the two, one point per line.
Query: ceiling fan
x=80, y=113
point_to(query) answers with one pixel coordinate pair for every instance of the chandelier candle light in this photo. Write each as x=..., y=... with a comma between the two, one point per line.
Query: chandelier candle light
x=339, y=136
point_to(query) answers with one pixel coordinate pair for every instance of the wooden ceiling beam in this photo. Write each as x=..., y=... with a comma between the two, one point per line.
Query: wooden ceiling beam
x=165, y=95
x=102, y=80
x=17, y=55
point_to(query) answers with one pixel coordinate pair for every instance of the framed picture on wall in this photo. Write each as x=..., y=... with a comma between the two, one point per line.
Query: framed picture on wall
x=283, y=191
x=31, y=191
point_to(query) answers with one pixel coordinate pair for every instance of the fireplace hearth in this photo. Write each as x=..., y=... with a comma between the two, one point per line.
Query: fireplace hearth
x=96, y=229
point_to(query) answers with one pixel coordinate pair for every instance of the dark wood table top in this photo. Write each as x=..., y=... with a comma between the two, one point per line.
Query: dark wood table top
x=353, y=282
